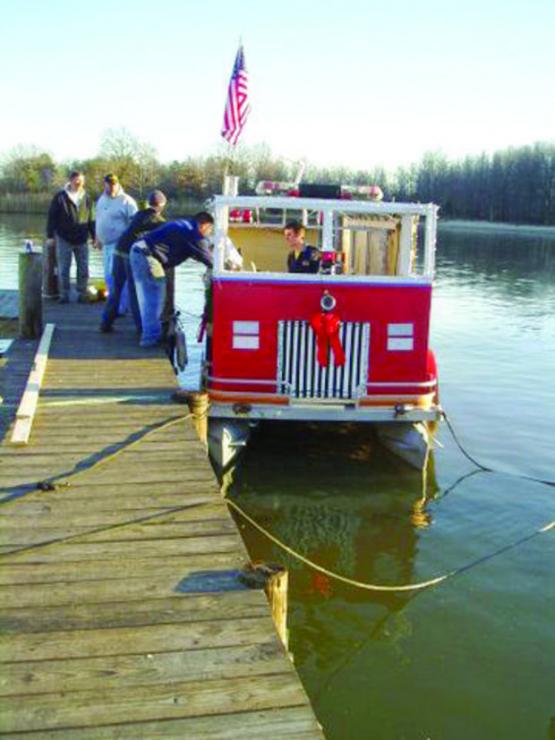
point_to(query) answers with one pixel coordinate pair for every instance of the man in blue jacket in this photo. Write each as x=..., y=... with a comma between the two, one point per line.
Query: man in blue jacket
x=163, y=248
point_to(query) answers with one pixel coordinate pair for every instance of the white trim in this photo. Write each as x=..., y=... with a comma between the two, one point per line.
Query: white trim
x=400, y=330
x=239, y=381
x=246, y=327
x=26, y=411
x=405, y=245
x=324, y=280
x=404, y=384
x=400, y=344
x=241, y=341
x=381, y=384
x=323, y=412
x=315, y=204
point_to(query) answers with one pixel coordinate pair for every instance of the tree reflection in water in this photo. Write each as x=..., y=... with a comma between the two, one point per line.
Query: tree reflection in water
x=335, y=496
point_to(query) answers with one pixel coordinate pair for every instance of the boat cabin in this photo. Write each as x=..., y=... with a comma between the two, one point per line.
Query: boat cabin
x=349, y=342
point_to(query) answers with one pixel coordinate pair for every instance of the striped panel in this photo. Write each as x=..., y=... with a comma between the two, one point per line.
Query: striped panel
x=299, y=373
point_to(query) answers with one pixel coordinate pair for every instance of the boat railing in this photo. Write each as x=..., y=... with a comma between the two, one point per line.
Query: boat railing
x=337, y=222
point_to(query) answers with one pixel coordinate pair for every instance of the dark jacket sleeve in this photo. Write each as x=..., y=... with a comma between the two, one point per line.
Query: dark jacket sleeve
x=92, y=222
x=128, y=237
x=52, y=217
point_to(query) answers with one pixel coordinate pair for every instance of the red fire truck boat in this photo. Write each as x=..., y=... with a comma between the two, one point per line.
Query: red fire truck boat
x=347, y=344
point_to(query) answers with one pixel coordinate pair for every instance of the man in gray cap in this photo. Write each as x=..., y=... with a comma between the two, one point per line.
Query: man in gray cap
x=143, y=222
x=114, y=212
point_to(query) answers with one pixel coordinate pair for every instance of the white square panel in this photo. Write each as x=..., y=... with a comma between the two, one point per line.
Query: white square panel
x=400, y=330
x=246, y=327
x=400, y=344
x=245, y=342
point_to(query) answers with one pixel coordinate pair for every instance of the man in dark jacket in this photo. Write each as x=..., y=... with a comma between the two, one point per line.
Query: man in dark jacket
x=301, y=258
x=143, y=222
x=70, y=223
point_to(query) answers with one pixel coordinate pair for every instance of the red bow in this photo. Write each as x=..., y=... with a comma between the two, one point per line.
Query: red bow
x=326, y=327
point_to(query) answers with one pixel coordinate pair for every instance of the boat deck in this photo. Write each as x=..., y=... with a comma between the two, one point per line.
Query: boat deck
x=113, y=620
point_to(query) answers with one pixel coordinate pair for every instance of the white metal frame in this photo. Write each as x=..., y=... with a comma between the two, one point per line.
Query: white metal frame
x=222, y=204
x=340, y=412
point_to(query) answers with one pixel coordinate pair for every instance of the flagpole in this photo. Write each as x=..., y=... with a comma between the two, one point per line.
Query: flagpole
x=235, y=114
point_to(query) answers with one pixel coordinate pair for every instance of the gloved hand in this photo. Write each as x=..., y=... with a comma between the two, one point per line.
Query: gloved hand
x=155, y=268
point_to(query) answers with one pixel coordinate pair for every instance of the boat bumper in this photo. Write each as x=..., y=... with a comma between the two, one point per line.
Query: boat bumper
x=302, y=411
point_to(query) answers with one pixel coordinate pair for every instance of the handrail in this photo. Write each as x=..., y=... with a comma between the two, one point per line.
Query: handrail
x=320, y=204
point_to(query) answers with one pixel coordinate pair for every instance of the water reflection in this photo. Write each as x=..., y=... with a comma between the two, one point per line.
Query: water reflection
x=339, y=499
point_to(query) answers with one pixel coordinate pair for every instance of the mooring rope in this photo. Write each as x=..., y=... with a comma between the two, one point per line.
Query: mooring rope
x=63, y=479
x=52, y=484
x=380, y=587
x=48, y=486
x=485, y=468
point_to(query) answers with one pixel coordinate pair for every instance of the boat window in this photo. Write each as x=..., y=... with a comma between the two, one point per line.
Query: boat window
x=361, y=244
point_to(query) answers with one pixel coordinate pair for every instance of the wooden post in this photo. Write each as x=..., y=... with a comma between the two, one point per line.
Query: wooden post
x=50, y=273
x=198, y=405
x=276, y=591
x=30, y=295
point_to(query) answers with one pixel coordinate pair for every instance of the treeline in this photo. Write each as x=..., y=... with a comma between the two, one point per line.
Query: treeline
x=516, y=185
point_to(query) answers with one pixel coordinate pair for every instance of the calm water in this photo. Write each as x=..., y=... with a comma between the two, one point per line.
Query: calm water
x=473, y=657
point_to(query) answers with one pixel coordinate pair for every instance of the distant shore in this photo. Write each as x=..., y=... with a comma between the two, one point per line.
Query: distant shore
x=461, y=225
x=38, y=204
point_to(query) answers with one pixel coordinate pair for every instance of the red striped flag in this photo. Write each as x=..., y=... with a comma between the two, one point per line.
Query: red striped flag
x=237, y=106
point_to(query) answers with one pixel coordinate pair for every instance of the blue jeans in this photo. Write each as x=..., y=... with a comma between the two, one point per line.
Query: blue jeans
x=151, y=293
x=108, y=260
x=121, y=277
x=64, y=252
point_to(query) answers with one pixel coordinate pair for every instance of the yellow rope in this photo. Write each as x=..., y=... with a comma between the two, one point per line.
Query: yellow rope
x=65, y=480
x=331, y=574
x=112, y=456
x=372, y=586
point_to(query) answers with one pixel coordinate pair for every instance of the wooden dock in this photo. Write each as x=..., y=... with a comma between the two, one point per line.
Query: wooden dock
x=104, y=632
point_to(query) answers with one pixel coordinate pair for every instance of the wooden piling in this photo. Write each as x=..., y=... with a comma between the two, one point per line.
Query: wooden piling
x=198, y=404
x=50, y=271
x=276, y=590
x=30, y=295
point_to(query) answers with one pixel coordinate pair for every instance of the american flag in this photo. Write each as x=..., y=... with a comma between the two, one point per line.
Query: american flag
x=237, y=106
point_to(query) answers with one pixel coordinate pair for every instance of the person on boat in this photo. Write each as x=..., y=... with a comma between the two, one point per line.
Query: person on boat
x=302, y=257
x=114, y=212
x=70, y=224
x=143, y=221
x=166, y=247
x=233, y=259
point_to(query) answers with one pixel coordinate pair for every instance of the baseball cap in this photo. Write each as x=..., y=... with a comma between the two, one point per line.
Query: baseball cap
x=111, y=179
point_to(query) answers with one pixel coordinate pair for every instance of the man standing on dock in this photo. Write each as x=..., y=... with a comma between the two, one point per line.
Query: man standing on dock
x=114, y=212
x=148, y=219
x=166, y=247
x=70, y=223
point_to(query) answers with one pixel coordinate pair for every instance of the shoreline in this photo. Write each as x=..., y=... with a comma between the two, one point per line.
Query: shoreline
x=178, y=207
x=498, y=226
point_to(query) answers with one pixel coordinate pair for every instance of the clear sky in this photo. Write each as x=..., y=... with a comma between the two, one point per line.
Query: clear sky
x=354, y=83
